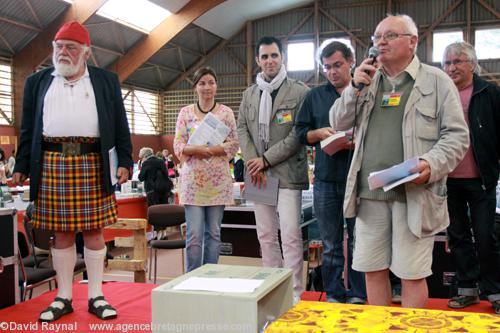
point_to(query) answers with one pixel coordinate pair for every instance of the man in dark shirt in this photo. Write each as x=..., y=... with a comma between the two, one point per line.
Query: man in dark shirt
x=330, y=173
x=472, y=184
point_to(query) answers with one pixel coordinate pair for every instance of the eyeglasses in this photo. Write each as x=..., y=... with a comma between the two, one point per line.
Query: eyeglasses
x=335, y=65
x=454, y=62
x=388, y=36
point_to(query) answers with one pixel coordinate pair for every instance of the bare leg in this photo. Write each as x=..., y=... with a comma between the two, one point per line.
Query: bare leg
x=378, y=288
x=414, y=293
x=94, y=239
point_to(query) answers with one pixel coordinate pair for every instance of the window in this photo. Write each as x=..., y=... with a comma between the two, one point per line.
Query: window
x=142, y=15
x=300, y=56
x=440, y=40
x=6, y=94
x=346, y=41
x=142, y=111
x=487, y=43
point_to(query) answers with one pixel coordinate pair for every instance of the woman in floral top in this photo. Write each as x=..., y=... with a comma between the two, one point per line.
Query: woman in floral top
x=205, y=183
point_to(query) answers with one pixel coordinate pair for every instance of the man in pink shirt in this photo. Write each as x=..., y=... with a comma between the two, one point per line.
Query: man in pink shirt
x=471, y=185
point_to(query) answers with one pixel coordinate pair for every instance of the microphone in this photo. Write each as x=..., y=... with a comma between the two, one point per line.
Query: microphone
x=372, y=54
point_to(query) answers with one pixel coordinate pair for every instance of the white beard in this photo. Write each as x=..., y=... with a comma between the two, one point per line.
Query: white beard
x=68, y=70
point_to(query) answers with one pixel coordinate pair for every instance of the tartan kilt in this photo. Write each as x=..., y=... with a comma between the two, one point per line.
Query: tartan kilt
x=71, y=195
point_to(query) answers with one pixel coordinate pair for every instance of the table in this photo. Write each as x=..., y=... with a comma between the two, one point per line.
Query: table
x=239, y=232
x=336, y=317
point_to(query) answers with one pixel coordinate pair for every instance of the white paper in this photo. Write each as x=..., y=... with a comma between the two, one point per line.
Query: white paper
x=113, y=165
x=211, y=132
x=401, y=181
x=387, y=176
x=267, y=195
x=225, y=285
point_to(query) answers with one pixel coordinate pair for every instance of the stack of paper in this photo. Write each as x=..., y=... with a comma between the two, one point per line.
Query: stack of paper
x=394, y=176
x=226, y=285
x=211, y=132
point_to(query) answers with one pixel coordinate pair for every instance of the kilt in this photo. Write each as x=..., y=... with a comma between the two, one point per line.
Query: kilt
x=71, y=195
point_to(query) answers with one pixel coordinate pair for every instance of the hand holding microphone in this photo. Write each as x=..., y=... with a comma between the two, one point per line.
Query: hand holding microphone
x=363, y=73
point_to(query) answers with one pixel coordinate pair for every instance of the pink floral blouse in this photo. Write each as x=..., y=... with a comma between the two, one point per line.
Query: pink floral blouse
x=205, y=182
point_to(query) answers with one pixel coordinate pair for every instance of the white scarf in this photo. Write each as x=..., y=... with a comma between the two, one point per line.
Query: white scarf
x=266, y=101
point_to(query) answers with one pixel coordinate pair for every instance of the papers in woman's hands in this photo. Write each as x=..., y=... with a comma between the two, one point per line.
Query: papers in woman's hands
x=211, y=132
x=336, y=142
x=394, y=176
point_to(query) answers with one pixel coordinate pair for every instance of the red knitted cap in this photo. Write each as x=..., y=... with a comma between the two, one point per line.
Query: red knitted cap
x=73, y=31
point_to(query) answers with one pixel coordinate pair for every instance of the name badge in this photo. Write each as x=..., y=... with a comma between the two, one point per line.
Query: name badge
x=284, y=117
x=391, y=99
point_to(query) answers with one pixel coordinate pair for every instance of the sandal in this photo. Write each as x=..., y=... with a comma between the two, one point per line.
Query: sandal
x=461, y=301
x=99, y=310
x=57, y=312
x=496, y=306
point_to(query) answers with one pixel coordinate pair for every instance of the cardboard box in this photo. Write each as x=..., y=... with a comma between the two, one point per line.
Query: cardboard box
x=204, y=311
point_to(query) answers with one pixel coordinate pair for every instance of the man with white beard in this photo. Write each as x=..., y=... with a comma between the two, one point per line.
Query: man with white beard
x=74, y=126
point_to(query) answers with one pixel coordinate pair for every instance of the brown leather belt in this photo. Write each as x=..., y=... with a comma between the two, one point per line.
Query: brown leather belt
x=71, y=148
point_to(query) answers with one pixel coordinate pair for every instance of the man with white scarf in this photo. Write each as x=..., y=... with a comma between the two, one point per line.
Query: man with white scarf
x=270, y=146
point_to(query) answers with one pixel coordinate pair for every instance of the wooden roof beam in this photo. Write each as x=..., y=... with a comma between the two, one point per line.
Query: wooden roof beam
x=219, y=46
x=344, y=28
x=161, y=35
x=440, y=19
x=489, y=8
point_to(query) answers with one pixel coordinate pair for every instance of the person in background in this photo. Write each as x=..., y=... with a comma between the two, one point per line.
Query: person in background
x=205, y=180
x=472, y=184
x=269, y=143
x=3, y=168
x=154, y=174
x=164, y=154
x=406, y=109
x=73, y=117
x=11, y=163
x=330, y=173
x=239, y=167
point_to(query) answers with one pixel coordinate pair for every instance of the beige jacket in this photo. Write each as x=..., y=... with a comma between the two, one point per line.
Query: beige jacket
x=285, y=154
x=434, y=129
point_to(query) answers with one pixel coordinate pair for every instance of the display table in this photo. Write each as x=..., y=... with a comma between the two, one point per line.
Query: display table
x=130, y=206
x=335, y=317
x=127, y=207
x=9, y=273
x=239, y=232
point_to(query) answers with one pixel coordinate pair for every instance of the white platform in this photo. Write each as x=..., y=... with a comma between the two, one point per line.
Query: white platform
x=203, y=311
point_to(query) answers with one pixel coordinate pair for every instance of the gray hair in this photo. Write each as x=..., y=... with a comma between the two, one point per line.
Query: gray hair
x=410, y=25
x=145, y=152
x=459, y=48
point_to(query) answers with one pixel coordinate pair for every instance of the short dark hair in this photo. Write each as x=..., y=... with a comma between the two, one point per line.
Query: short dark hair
x=200, y=72
x=268, y=40
x=333, y=47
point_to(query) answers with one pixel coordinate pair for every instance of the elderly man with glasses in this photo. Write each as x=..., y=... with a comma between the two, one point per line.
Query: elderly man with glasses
x=472, y=184
x=400, y=109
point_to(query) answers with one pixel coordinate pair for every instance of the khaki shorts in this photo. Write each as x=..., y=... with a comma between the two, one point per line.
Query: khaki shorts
x=383, y=240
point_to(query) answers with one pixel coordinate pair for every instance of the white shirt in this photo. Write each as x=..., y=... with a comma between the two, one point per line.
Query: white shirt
x=69, y=109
